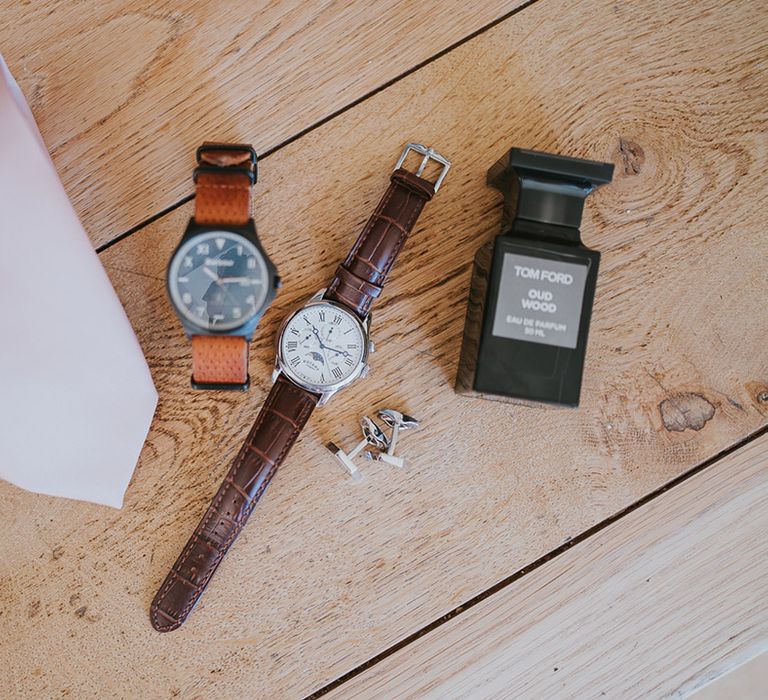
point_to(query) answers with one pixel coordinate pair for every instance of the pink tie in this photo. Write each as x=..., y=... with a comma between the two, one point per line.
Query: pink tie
x=76, y=395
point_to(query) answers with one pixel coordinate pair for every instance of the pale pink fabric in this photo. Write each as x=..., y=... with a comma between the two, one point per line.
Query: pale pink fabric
x=76, y=395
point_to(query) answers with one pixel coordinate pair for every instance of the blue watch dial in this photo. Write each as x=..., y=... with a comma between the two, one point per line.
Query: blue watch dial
x=218, y=280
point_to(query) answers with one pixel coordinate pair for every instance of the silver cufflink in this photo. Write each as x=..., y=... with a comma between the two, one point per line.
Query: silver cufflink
x=397, y=421
x=374, y=436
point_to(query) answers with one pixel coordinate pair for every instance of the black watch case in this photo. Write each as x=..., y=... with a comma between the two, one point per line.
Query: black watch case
x=273, y=282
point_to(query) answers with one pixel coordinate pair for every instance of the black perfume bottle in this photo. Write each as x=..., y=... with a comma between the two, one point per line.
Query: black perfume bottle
x=530, y=302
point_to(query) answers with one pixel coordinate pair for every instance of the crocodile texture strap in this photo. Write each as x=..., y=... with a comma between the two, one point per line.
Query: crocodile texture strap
x=224, y=177
x=360, y=278
x=284, y=414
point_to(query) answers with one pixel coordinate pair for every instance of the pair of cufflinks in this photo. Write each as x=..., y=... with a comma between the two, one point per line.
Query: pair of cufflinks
x=374, y=436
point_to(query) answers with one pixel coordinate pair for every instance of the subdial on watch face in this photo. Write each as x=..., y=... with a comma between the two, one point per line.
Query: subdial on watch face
x=322, y=345
x=218, y=280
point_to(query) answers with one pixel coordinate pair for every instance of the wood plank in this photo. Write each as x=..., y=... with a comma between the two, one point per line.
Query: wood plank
x=124, y=91
x=656, y=605
x=328, y=573
x=746, y=682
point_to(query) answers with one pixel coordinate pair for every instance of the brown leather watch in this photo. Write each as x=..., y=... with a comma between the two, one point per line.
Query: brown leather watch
x=322, y=347
x=220, y=280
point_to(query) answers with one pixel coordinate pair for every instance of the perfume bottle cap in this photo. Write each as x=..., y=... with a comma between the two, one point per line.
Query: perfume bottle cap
x=545, y=188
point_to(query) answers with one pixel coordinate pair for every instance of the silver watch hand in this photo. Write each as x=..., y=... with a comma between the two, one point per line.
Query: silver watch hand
x=239, y=279
x=211, y=274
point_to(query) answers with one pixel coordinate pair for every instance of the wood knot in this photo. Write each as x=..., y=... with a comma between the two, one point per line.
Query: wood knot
x=684, y=411
x=632, y=156
x=758, y=391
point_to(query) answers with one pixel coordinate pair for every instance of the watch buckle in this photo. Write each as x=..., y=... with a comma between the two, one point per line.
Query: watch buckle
x=251, y=169
x=428, y=154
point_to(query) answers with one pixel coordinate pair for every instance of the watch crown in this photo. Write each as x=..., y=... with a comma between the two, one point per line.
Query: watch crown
x=371, y=346
x=278, y=282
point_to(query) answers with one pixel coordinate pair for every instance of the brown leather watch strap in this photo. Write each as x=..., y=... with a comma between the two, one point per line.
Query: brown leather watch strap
x=219, y=359
x=360, y=278
x=284, y=414
x=224, y=177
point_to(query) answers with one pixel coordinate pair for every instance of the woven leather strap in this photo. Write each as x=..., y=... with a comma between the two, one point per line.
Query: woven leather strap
x=360, y=278
x=223, y=197
x=282, y=417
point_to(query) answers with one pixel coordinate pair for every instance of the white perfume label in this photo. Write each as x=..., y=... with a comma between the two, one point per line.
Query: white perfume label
x=540, y=300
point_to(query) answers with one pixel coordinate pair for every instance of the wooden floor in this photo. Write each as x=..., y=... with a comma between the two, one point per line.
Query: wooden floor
x=615, y=550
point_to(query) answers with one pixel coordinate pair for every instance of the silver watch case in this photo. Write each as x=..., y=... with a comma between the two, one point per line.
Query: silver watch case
x=326, y=391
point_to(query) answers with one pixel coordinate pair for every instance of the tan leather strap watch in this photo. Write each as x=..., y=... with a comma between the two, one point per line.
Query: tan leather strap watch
x=220, y=280
x=322, y=347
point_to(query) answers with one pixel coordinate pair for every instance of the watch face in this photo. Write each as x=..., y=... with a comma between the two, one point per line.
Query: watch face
x=322, y=345
x=218, y=280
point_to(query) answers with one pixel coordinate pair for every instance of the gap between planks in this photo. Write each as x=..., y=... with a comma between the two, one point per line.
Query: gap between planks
x=549, y=556
x=613, y=291
x=320, y=122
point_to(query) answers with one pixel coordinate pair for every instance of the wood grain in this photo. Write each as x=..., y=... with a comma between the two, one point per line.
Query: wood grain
x=746, y=682
x=655, y=605
x=350, y=570
x=124, y=91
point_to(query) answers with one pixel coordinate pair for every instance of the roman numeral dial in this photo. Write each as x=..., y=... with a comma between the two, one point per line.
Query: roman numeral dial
x=322, y=346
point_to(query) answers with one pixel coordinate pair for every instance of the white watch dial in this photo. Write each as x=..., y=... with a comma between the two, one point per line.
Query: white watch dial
x=322, y=345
